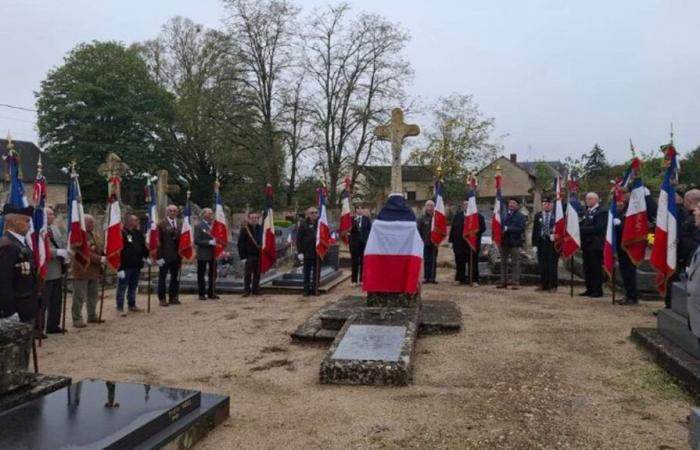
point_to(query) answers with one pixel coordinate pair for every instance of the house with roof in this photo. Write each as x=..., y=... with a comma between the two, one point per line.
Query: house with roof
x=56, y=181
x=373, y=185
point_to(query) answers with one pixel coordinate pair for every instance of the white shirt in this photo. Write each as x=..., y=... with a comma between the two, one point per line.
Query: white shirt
x=19, y=237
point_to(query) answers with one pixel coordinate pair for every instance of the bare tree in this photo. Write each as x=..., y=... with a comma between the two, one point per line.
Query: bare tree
x=264, y=32
x=358, y=73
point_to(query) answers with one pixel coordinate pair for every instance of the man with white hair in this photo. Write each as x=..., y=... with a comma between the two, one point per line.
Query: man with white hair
x=87, y=270
x=58, y=259
x=425, y=223
x=206, y=244
x=168, y=258
x=593, y=227
x=689, y=234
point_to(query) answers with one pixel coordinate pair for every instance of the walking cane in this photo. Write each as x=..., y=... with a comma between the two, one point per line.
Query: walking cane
x=471, y=268
x=35, y=357
x=612, y=280
x=102, y=295
x=148, y=307
x=38, y=320
x=571, y=269
x=504, y=266
x=65, y=299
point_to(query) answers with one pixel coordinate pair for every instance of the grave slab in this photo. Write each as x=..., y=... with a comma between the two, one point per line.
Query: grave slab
x=374, y=347
x=676, y=361
x=95, y=414
x=673, y=326
x=679, y=298
x=38, y=386
x=695, y=429
x=15, y=349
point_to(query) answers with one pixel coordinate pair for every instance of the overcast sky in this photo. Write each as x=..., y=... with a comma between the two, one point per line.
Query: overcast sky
x=558, y=76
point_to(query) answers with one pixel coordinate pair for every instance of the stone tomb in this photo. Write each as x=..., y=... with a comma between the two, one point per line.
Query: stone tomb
x=374, y=347
x=695, y=429
x=103, y=414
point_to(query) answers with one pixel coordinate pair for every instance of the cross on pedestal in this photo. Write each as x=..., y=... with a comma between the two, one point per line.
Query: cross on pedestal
x=113, y=167
x=162, y=191
x=396, y=131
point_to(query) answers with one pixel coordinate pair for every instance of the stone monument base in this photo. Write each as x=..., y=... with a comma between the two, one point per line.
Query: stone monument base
x=695, y=429
x=15, y=352
x=394, y=300
x=673, y=326
x=37, y=386
x=374, y=347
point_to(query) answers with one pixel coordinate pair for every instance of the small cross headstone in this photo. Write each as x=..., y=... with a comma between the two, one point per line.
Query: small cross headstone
x=113, y=166
x=396, y=131
x=162, y=191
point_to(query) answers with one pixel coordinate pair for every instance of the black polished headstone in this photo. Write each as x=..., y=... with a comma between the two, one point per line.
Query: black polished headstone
x=679, y=298
x=95, y=414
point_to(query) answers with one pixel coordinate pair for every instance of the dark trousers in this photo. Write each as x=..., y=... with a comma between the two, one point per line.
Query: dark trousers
x=357, y=252
x=309, y=274
x=629, y=275
x=252, y=275
x=547, y=259
x=128, y=284
x=429, y=262
x=172, y=268
x=593, y=271
x=206, y=267
x=461, y=267
x=52, y=301
x=473, y=264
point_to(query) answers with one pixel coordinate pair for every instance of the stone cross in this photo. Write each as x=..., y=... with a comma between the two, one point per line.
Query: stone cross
x=113, y=166
x=395, y=132
x=162, y=191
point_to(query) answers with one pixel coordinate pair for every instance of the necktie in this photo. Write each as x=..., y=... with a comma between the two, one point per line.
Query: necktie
x=545, y=225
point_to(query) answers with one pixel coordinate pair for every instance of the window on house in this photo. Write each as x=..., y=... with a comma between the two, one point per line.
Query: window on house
x=411, y=195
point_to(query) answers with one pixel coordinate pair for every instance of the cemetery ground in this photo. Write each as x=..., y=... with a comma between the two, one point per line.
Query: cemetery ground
x=529, y=370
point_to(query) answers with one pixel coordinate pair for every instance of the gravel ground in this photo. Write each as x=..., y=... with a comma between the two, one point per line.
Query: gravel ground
x=529, y=370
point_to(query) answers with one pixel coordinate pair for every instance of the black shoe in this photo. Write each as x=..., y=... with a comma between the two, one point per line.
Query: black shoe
x=630, y=303
x=202, y=297
x=258, y=293
x=39, y=335
x=584, y=294
x=163, y=303
x=597, y=295
x=175, y=302
x=56, y=331
x=246, y=294
x=306, y=294
x=213, y=297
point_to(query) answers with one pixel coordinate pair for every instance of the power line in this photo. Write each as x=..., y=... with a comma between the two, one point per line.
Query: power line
x=17, y=107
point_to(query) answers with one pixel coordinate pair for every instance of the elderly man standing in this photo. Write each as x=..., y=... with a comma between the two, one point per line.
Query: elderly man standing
x=543, y=244
x=249, y=241
x=306, y=248
x=134, y=253
x=87, y=270
x=58, y=258
x=425, y=223
x=168, y=258
x=593, y=227
x=689, y=234
x=205, y=243
x=18, y=274
x=514, y=224
x=693, y=272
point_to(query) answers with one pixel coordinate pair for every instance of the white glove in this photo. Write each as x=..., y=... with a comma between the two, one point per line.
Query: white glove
x=14, y=317
x=505, y=228
x=552, y=237
x=616, y=222
x=212, y=242
x=300, y=257
x=160, y=262
x=534, y=252
x=62, y=253
x=103, y=260
x=147, y=261
x=121, y=274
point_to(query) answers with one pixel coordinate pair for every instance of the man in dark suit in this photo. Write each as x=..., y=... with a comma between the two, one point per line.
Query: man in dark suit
x=464, y=255
x=18, y=274
x=628, y=271
x=425, y=224
x=514, y=224
x=543, y=243
x=168, y=258
x=306, y=249
x=206, y=263
x=593, y=227
x=249, y=242
x=133, y=255
x=359, y=233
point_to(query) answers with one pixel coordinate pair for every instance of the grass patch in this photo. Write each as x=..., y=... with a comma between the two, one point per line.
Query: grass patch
x=637, y=382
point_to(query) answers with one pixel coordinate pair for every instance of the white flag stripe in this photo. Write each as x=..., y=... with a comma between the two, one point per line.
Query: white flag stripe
x=394, y=238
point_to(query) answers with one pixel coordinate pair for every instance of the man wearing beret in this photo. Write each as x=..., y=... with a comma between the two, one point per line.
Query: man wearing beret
x=543, y=243
x=18, y=273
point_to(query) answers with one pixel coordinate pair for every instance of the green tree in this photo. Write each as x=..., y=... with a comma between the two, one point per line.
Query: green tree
x=690, y=169
x=459, y=140
x=100, y=101
x=595, y=161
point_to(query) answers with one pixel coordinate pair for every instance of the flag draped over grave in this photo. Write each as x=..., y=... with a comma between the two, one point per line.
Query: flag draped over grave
x=497, y=220
x=438, y=224
x=219, y=229
x=345, y=214
x=663, y=254
x=323, y=231
x=114, y=242
x=394, y=251
x=572, y=232
x=636, y=227
x=269, y=246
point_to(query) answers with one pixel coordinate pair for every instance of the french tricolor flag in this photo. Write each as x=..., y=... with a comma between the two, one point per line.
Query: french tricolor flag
x=636, y=227
x=572, y=232
x=77, y=233
x=114, y=241
x=185, y=246
x=471, y=217
x=219, y=230
x=394, y=251
x=663, y=254
x=323, y=230
x=438, y=225
x=497, y=221
x=610, y=246
x=39, y=233
x=559, y=219
x=345, y=225
x=152, y=235
x=269, y=246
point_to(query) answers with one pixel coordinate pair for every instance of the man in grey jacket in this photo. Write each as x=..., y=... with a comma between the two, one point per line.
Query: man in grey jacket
x=206, y=262
x=694, y=283
x=52, y=292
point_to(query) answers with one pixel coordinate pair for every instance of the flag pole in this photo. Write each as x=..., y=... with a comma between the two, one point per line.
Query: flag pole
x=73, y=175
x=612, y=280
x=571, y=269
x=35, y=358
